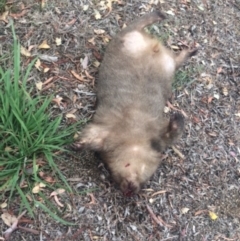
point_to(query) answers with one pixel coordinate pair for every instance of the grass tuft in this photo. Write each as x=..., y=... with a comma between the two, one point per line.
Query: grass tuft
x=27, y=133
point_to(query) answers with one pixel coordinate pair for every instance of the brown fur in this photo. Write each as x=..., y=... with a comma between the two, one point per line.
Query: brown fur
x=129, y=129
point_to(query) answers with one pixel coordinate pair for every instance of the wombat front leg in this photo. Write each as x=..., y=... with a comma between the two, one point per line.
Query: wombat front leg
x=184, y=55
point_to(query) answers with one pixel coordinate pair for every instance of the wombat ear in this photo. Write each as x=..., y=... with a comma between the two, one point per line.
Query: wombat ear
x=174, y=129
x=93, y=136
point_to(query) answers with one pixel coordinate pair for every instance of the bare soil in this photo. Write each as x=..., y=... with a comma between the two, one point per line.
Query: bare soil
x=175, y=204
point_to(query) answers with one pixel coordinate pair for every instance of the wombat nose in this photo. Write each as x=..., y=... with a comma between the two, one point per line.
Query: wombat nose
x=130, y=189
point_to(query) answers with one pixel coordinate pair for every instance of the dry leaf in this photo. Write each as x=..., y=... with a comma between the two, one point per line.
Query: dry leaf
x=99, y=31
x=45, y=70
x=48, y=58
x=237, y=114
x=18, y=15
x=96, y=64
x=3, y=205
x=43, y=4
x=8, y=218
x=216, y=96
x=184, y=210
x=25, y=52
x=97, y=14
x=58, y=41
x=84, y=62
x=57, y=192
x=58, y=100
x=151, y=200
x=39, y=85
x=70, y=116
x=85, y=7
x=201, y=7
x=166, y=109
x=77, y=76
x=38, y=187
x=174, y=47
x=225, y=91
x=38, y=64
x=213, y=215
x=92, y=41
x=170, y=12
x=44, y=45
x=3, y=17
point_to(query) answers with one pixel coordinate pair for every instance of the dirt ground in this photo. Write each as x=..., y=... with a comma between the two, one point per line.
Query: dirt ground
x=175, y=204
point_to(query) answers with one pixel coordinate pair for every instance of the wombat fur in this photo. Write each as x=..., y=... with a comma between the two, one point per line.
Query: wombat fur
x=129, y=129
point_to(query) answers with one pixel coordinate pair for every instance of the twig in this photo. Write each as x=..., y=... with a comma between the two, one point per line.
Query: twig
x=158, y=219
x=178, y=152
x=234, y=80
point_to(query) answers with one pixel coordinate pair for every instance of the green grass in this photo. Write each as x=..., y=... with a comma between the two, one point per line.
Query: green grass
x=184, y=78
x=2, y=5
x=27, y=133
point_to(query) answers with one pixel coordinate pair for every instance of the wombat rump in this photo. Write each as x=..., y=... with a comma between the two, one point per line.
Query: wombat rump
x=129, y=129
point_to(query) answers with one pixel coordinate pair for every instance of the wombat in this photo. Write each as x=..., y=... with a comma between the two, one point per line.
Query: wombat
x=129, y=129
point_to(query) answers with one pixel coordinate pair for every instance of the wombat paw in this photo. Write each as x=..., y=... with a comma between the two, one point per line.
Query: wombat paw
x=77, y=146
x=177, y=121
x=193, y=51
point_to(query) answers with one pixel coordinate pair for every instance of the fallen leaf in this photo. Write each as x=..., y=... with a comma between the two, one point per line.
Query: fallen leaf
x=48, y=58
x=84, y=62
x=166, y=109
x=3, y=17
x=200, y=212
x=152, y=200
x=38, y=187
x=184, y=210
x=39, y=85
x=48, y=80
x=170, y=12
x=96, y=64
x=213, y=215
x=38, y=64
x=97, y=14
x=174, y=47
x=88, y=75
x=3, y=205
x=71, y=116
x=72, y=22
x=99, y=31
x=45, y=70
x=43, y=4
x=225, y=91
x=58, y=41
x=237, y=114
x=201, y=7
x=216, y=96
x=8, y=218
x=18, y=15
x=85, y=7
x=58, y=100
x=57, y=192
x=44, y=45
x=92, y=41
x=77, y=76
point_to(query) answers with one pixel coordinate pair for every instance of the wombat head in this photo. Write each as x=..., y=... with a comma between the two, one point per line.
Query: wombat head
x=132, y=158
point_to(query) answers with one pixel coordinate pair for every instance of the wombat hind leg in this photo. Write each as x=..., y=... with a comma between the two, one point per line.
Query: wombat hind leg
x=184, y=55
x=144, y=21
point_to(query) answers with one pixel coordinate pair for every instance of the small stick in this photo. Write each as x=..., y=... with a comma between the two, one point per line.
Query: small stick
x=178, y=152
